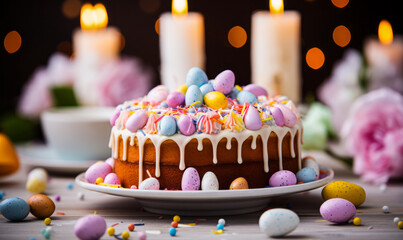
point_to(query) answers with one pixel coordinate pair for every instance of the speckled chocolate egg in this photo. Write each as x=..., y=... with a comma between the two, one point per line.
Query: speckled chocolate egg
x=175, y=99
x=246, y=96
x=337, y=210
x=14, y=209
x=306, y=175
x=256, y=90
x=278, y=116
x=112, y=179
x=342, y=189
x=252, y=119
x=278, y=222
x=193, y=95
x=290, y=119
x=209, y=181
x=196, y=76
x=310, y=162
x=90, y=227
x=239, y=183
x=150, y=184
x=215, y=100
x=41, y=206
x=282, y=178
x=158, y=94
x=190, y=179
x=224, y=82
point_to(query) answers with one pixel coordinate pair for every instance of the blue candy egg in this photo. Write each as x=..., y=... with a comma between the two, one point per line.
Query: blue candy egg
x=164, y=105
x=193, y=95
x=306, y=175
x=206, y=88
x=167, y=126
x=196, y=76
x=14, y=209
x=234, y=93
x=246, y=96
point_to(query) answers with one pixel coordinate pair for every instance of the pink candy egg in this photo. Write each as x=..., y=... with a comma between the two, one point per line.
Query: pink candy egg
x=96, y=170
x=278, y=116
x=112, y=179
x=158, y=94
x=115, y=116
x=90, y=227
x=282, y=178
x=175, y=99
x=252, y=119
x=111, y=162
x=186, y=125
x=256, y=90
x=150, y=184
x=290, y=119
x=224, y=82
x=337, y=210
x=136, y=121
x=190, y=179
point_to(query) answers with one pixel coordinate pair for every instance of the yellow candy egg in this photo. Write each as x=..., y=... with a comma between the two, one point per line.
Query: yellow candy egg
x=215, y=100
x=342, y=189
x=239, y=183
x=182, y=88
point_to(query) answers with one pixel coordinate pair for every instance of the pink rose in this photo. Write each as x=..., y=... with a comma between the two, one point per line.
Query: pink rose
x=374, y=135
x=123, y=80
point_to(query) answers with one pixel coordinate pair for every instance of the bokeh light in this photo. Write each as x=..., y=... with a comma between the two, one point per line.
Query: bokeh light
x=385, y=32
x=157, y=26
x=149, y=6
x=237, y=36
x=341, y=36
x=12, y=42
x=71, y=8
x=340, y=3
x=315, y=58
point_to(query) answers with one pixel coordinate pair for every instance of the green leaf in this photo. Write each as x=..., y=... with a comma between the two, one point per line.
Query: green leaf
x=18, y=128
x=64, y=96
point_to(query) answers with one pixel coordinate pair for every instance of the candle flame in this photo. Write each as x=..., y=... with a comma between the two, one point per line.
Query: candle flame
x=93, y=17
x=385, y=32
x=179, y=7
x=276, y=6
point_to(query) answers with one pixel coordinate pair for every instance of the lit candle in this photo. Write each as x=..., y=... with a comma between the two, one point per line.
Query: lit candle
x=94, y=45
x=275, y=53
x=181, y=43
x=385, y=56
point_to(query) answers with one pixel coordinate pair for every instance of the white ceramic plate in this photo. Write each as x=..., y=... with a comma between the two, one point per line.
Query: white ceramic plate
x=40, y=155
x=205, y=203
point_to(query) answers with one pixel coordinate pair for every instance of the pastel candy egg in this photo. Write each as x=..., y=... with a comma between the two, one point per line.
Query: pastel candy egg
x=206, y=88
x=41, y=206
x=215, y=100
x=37, y=180
x=342, y=189
x=278, y=222
x=175, y=99
x=282, y=178
x=252, y=119
x=246, y=97
x=190, y=179
x=14, y=209
x=158, y=94
x=196, y=76
x=234, y=93
x=278, y=116
x=209, y=181
x=110, y=161
x=167, y=126
x=290, y=119
x=186, y=125
x=224, y=82
x=182, y=88
x=310, y=162
x=136, y=121
x=150, y=184
x=337, y=210
x=97, y=170
x=90, y=227
x=112, y=179
x=306, y=175
x=114, y=116
x=193, y=95
x=256, y=90
x=239, y=183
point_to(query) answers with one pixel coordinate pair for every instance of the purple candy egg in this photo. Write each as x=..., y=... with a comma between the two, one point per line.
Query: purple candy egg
x=290, y=119
x=136, y=121
x=256, y=90
x=224, y=82
x=112, y=179
x=278, y=116
x=90, y=227
x=190, y=179
x=96, y=170
x=282, y=178
x=110, y=161
x=252, y=119
x=337, y=210
x=175, y=99
x=186, y=125
x=114, y=116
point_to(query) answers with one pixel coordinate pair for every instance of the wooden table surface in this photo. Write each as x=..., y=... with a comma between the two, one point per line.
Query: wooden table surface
x=375, y=223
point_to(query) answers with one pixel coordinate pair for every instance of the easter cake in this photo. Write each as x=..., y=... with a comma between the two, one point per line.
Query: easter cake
x=212, y=126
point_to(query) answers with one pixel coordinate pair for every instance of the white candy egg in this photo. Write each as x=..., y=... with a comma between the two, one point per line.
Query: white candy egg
x=150, y=184
x=210, y=181
x=278, y=222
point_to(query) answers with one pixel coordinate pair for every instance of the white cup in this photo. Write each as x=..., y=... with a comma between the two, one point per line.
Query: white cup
x=78, y=133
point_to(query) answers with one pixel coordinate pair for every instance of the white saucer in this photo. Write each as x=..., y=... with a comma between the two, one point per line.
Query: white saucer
x=205, y=203
x=40, y=155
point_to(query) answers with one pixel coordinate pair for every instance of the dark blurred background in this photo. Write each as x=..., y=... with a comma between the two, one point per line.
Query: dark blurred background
x=47, y=26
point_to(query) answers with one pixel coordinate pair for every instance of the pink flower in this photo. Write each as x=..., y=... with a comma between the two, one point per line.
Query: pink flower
x=123, y=80
x=374, y=135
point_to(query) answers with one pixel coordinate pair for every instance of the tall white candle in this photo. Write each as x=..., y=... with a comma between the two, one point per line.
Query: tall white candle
x=181, y=45
x=275, y=53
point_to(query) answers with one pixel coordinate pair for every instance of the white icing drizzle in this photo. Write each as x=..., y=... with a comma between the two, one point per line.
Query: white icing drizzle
x=182, y=141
